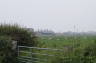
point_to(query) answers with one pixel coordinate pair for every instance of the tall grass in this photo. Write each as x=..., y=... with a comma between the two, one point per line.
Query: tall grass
x=76, y=49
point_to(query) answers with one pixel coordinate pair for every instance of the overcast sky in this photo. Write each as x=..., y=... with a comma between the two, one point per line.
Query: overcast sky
x=57, y=15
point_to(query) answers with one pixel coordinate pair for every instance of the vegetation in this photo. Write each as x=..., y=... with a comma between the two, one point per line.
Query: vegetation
x=76, y=49
x=19, y=34
x=71, y=49
x=10, y=33
x=6, y=51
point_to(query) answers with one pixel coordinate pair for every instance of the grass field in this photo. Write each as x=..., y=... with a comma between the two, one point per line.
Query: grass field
x=63, y=41
x=75, y=49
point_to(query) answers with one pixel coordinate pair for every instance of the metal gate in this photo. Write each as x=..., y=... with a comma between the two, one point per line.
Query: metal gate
x=47, y=55
x=39, y=55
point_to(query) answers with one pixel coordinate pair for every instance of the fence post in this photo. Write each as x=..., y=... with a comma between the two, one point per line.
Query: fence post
x=31, y=55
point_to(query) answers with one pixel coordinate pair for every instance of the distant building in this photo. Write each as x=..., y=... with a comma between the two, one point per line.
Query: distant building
x=30, y=29
x=45, y=32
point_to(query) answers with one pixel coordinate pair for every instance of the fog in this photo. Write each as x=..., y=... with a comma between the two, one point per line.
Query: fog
x=56, y=15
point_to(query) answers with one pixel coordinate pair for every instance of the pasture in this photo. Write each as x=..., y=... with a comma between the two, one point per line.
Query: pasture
x=71, y=49
x=65, y=41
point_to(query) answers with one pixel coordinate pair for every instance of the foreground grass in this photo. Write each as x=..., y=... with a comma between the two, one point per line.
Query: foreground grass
x=75, y=49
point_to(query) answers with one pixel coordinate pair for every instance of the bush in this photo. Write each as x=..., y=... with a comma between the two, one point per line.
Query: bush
x=19, y=34
x=9, y=33
x=7, y=54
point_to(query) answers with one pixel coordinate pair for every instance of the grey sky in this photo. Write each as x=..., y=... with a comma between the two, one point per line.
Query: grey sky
x=58, y=15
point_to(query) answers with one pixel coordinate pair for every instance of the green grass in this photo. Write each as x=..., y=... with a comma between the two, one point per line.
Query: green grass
x=61, y=41
x=73, y=48
x=75, y=45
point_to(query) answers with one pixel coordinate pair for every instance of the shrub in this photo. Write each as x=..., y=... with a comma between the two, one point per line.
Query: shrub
x=19, y=34
x=9, y=33
x=7, y=54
